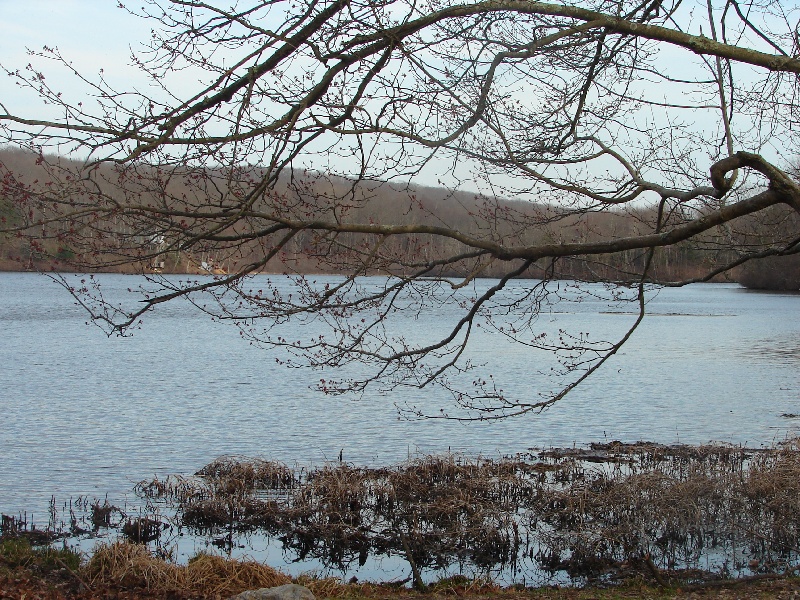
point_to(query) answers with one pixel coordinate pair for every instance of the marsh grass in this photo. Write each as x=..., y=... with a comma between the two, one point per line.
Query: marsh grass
x=720, y=508
x=605, y=511
x=130, y=565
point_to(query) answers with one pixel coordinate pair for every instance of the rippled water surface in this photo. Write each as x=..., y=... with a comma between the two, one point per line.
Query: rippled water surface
x=85, y=414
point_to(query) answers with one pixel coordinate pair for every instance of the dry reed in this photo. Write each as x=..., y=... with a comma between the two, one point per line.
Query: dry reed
x=132, y=566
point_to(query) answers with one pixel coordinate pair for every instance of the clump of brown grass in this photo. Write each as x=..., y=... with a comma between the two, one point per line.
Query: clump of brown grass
x=231, y=474
x=327, y=587
x=133, y=566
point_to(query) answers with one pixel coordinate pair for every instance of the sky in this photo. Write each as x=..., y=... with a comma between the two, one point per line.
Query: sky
x=92, y=34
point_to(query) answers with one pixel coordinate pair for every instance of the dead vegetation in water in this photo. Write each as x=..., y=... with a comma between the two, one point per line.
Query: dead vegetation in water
x=430, y=511
x=609, y=511
x=727, y=509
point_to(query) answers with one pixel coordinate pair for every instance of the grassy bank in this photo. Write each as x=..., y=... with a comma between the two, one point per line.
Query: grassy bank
x=125, y=570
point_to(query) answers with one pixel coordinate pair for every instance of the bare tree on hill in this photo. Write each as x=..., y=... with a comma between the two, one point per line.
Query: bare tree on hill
x=678, y=116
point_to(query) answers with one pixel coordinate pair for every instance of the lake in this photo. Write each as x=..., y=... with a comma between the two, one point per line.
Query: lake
x=89, y=415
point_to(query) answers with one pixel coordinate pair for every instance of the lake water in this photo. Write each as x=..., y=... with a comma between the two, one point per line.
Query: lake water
x=88, y=415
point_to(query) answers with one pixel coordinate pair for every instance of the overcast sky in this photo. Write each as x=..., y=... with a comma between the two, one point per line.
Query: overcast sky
x=97, y=34
x=93, y=34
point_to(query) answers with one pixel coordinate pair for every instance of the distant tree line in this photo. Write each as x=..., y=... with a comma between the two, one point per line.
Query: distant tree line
x=54, y=246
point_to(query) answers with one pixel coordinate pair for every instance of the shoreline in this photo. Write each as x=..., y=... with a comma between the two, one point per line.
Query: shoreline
x=698, y=509
x=64, y=576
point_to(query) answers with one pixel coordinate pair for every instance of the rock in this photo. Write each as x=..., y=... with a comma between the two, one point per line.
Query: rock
x=290, y=591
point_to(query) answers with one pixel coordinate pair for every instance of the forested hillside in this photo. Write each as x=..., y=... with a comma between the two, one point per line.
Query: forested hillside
x=58, y=244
